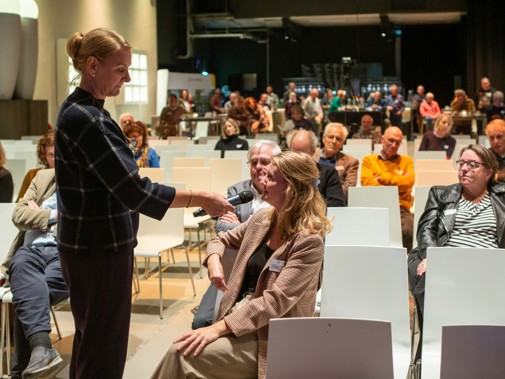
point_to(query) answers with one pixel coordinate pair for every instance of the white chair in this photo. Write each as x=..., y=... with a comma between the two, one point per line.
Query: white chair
x=224, y=173
x=472, y=351
x=156, y=237
x=358, y=141
x=382, y=196
x=436, y=178
x=327, y=348
x=167, y=162
x=464, y=287
x=350, y=149
x=420, y=197
x=188, y=162
x=17, y=168
x=198, y=147
x=34, y=139
x=201, y=130
x=242, y=155
x=29, y=156
x=370, y=282
x=430, y=154
x=181, y=142
x=433, y=165
x=268, y=136
x=208, y=140
x=358, y=225
x=155, y=174
x=195, y=178
x=484, y=141
x=205, y=154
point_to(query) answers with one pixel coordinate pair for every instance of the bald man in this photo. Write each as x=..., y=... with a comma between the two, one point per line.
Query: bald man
x=391, y=169
x=495, y=132
x=304, y=141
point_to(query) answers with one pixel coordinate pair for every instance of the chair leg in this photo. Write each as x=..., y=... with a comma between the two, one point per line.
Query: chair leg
x=191, y=272
x=199, y=252
x=2, y=339
x=161, y=286
x=55, y=323
x=136, y=280
x=6, y=337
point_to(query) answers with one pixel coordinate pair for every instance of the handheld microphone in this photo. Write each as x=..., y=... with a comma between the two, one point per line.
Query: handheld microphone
x=240, y=198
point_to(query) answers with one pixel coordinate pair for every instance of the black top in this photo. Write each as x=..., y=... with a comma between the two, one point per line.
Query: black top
x=254, y=267
x=231, y=143
x=432, y=142
x=6, y=186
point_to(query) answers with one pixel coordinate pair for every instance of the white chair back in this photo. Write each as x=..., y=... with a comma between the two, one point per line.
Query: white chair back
x=430, y=154
x=194, y=178
x=453, y=298
x=381, y=196
x=300, y=348
x=188, y=162
x=358, y=226
x=433, y=165
x=155, y=174
x=224, y=173
x=358, y=141
x=201, y=130
x=18, y=169
x=205, y=154
x=436, y=178
x=242, y=155
x=370, y=282
x=8, y=230
x=167, y=161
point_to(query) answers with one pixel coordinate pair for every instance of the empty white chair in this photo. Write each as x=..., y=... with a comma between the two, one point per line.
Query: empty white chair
x=464, y=286
x=430, y=154
x=18, y=169
x=349, y=149
x=358, y=141
x=205, y=154
x=167, y=162
x=436, y=177
x=381, y=196
x=328, y=348
x=155, y=174
x=268, y=136
x=188, y=162
x=370, y=282
x=224, y=173
x=433, y=165
x=242, y=155
x=201, y=130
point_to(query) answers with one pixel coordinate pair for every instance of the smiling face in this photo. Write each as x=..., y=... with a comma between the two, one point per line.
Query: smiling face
x=274, y=187
x=474, y=180
x=109, y=74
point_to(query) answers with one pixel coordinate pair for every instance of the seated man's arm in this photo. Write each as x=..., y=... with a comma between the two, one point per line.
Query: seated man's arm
x=405, y=177
x=369, y=174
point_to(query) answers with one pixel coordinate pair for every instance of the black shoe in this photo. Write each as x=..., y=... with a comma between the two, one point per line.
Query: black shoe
x=41, y=362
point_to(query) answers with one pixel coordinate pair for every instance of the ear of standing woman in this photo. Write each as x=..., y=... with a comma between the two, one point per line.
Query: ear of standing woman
x=99, y=197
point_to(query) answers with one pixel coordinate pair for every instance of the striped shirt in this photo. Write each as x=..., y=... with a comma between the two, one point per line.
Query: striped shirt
x=99, y=189
x=475, y=225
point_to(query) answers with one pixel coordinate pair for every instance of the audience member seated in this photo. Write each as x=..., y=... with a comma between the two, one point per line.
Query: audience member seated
x=231, y=102
x=429, y=109
x=468, y=214
x=144, y=155
x=273, y=98
x=338, y=101
x=440, y=138
x=313, y=109
x=334, y=138
x=297, y=121
x=35, y=278
x=395, y=106
x=497, y=108
x=241, y=115
x=461, y=105
x=6, y=183
x=45, y=155
x=229, y=137
x=417, y=99
x=124, y=119
x=366, y=131
x=170, y=117
x=184, y=101
x=263, y=102
x=327, y=99
x=305, y=141
x=276, y=274
x=495, y=132
x=287, y=94
x=288, y=106
x=391, y=169
x=376, y=102
x=259, y=120
x=215, y=101
x=259, y=157
x=484, y=95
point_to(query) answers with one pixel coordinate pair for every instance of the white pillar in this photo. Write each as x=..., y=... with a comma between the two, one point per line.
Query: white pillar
x=10, y=30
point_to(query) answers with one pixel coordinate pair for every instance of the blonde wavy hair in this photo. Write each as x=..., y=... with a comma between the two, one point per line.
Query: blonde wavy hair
x=99, y=43
x=304, y=208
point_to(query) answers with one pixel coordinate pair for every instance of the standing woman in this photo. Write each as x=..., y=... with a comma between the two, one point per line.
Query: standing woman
x=6, y=183
x=144, y=155
x=99, y=196
x=229, y=138
x=440, y=138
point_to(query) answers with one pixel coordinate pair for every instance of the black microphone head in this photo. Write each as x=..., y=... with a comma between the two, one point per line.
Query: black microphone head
x=246, y=196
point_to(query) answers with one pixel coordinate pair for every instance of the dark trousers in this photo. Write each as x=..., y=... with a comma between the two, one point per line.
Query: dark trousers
x=100, y=289
x=36, y=284
x=205, y=313
x=407, y=220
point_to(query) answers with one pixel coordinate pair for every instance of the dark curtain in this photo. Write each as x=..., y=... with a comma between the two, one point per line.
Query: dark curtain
x=485, y=31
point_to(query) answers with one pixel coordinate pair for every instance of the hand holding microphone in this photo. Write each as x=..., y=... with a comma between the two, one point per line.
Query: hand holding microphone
x=240, y=198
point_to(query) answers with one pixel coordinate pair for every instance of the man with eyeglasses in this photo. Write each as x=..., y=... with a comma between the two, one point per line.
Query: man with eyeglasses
x=391, y=169
x=334, y=138
x=495, y=132
x=258, y=159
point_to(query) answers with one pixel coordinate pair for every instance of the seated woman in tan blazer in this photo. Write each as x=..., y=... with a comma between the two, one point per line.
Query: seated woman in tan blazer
x=277, y=267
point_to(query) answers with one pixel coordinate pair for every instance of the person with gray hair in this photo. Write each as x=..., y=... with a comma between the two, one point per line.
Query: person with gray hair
x=258, y=158
x=305, y=141
x=496, y=110
x=347, y=166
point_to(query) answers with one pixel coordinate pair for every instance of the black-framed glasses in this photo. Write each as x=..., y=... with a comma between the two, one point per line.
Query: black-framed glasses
x=472, y=165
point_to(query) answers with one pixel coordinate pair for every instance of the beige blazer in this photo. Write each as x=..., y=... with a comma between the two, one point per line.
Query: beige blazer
x=27, y=218
x=288, y=293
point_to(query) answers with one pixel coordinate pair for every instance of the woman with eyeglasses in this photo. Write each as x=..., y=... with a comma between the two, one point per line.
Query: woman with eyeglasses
x=468, y=214
x=144, y=155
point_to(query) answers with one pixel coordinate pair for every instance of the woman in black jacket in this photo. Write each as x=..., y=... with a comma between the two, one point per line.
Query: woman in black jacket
x=229, y=137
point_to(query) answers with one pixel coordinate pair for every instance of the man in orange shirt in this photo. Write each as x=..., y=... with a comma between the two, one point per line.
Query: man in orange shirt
x=390, y=169
x=429, y=109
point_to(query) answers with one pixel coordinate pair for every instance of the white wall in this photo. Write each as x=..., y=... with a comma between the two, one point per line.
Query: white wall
x=133, y=19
